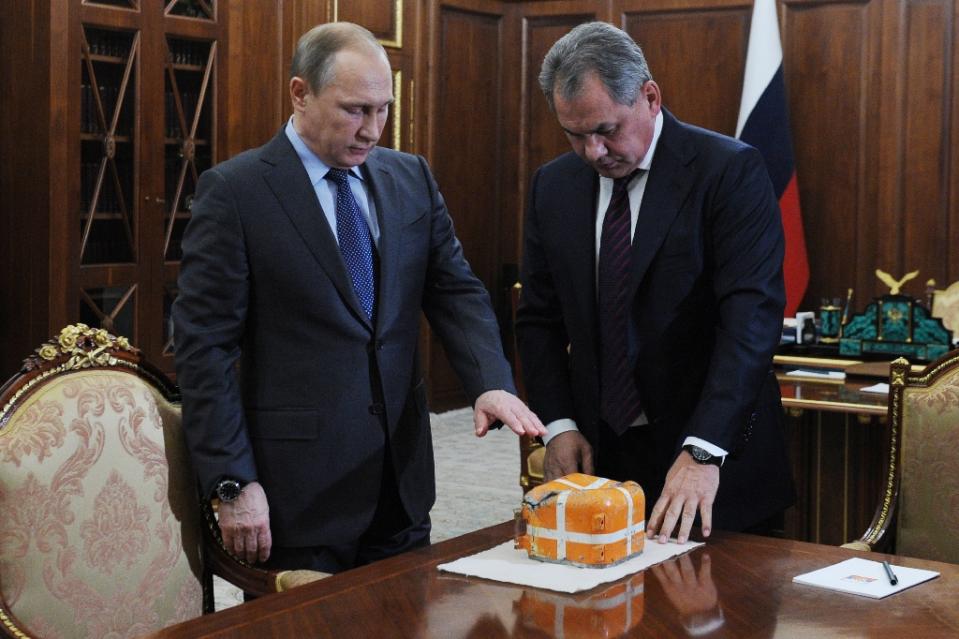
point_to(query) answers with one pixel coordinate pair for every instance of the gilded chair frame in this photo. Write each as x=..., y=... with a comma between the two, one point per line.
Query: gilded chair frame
x=531, y=449
x=880, y=535
x=79, y=347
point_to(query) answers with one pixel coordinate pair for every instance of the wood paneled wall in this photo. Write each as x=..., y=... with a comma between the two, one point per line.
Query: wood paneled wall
x=871, y=91
x=466, y=50
x=871, y=88
x=26, y=243
x=263, y=36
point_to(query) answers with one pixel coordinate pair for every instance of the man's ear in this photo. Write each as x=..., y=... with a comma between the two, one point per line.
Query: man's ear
x=652, y=96
x=299, y=88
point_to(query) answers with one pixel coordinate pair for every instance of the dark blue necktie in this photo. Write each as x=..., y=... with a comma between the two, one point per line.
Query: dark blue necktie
x=619, y=399
x=356, y=244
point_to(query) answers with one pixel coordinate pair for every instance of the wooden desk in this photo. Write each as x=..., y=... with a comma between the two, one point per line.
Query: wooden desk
x=838, y=396
x=837, y=437
x=841, y=396
x=738, y=584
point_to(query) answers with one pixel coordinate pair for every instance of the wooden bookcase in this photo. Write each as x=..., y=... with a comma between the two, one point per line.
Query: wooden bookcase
x=117, y=114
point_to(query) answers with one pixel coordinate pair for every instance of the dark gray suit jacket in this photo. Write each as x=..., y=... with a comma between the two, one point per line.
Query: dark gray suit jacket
x=262, y=282
x=706, y=309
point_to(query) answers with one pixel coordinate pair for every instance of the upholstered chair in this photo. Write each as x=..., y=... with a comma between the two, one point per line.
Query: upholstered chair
x=102, y=532
x=918, y=510
x=532, y=457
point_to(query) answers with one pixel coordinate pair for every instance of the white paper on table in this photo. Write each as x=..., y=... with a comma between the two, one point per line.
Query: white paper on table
x=505, y=563
x=818, y=374
x=881, y=388
x=864, y=577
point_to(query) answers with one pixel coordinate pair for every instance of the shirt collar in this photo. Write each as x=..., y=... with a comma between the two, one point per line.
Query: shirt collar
x=647, y=160
x=657, y=130
x=315, y=167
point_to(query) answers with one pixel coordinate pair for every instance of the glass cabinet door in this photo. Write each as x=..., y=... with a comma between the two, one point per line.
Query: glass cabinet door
x=147, y=129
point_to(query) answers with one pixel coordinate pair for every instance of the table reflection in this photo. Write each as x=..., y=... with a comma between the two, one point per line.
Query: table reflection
x=610, y=610
x=692, y=592
x=605, y=611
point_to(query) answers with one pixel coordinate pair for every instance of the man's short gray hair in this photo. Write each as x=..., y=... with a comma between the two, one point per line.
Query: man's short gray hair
x=600, y=48
x=317, y=49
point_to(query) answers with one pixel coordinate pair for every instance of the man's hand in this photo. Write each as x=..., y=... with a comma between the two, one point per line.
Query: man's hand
x=689, y=486
x=245, y=525
x=567, y=453
x=509, y=409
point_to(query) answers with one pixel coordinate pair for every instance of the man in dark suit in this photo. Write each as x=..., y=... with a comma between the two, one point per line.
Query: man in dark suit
x=309, y=261
x=652, y=297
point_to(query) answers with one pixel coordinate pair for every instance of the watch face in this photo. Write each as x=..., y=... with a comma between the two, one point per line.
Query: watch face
x=228, y=490
x=699, y=454
x=703, y=456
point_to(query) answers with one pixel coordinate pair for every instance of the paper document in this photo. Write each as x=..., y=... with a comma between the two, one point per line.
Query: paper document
x=881, y=388
x=818, y=374
x=864, y=577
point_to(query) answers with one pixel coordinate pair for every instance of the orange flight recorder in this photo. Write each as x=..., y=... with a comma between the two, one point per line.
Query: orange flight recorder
x=582, y=520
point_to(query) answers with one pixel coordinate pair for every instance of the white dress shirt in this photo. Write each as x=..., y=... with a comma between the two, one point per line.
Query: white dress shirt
x=326, y=189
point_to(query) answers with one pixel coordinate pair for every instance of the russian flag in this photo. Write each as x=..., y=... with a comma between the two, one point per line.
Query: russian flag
x=764, y=123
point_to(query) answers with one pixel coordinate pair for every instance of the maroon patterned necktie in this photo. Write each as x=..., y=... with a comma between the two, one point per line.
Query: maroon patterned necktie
x=619, y=399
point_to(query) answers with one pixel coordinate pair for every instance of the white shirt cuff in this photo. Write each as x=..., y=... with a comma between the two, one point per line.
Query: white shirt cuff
x=712, y=449
x=556, y=427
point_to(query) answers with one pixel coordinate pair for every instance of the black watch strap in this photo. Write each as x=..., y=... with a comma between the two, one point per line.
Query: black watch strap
x=702, y=456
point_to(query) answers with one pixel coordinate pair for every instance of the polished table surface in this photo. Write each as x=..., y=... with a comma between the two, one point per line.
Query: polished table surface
x=735, y=586
x=841, y=396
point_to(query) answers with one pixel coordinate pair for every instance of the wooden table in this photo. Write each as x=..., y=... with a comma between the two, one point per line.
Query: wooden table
x=736, y=585
x=839, y=396
x=837, y=437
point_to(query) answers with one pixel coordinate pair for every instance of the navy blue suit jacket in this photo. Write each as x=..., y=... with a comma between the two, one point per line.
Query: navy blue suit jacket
x=262, y=282
x=706, y=308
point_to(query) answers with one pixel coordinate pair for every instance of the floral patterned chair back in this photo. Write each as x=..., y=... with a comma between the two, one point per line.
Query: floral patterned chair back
x=919, y=497
x=99, y=518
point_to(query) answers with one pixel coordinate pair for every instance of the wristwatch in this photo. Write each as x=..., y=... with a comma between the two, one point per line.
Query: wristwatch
x=228, y=490
x=702, y=456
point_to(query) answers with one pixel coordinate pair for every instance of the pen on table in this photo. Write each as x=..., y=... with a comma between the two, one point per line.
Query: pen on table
x=893, y=579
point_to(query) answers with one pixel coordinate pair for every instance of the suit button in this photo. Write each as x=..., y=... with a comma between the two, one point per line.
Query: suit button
x=376, y=409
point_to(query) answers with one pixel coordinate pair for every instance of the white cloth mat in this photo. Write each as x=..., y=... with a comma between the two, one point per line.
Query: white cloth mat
x=504, y=563
x=881, y=388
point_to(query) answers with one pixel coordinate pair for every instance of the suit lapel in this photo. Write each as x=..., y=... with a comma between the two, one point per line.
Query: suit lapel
x=579, y=199
x=667, y=188
x=386, y=199
x=291, y=185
